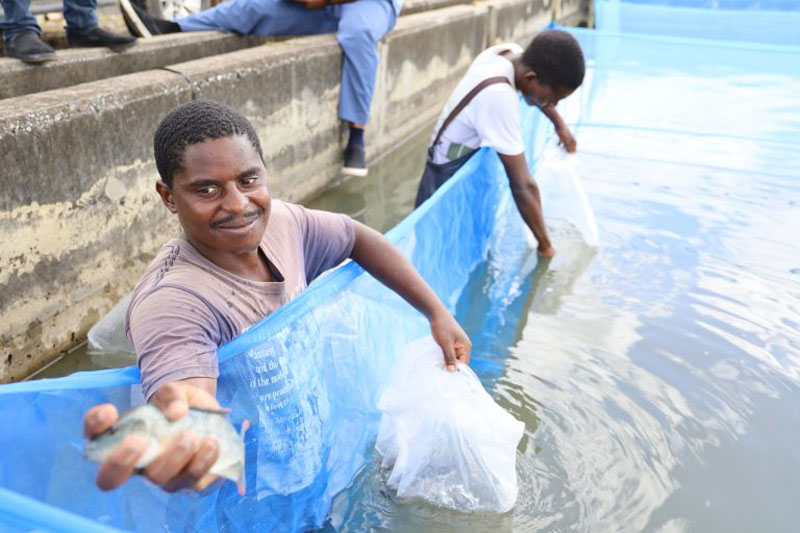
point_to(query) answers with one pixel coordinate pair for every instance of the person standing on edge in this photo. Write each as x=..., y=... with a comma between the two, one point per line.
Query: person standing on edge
x=359, y=25
x=22, y=34
x=483, y=110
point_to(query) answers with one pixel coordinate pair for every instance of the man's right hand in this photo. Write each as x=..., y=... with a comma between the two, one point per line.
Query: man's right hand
x=184, y=464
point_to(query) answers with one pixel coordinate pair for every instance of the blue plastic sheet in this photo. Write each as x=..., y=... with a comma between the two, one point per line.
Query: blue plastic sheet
x=762, y=21
x=307, y=377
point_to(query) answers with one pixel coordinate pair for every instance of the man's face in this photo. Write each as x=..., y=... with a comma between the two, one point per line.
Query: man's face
x=541, y=94
x=220, y=195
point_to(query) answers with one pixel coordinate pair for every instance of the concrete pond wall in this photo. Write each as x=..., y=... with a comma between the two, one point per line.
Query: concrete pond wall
x=79, y=216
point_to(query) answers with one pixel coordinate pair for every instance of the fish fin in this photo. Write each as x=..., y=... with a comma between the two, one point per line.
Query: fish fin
x=242, y=481
x=220, y=411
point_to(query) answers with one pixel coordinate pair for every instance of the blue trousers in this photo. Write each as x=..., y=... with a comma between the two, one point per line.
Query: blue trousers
x=79, y=14
x=358, y=25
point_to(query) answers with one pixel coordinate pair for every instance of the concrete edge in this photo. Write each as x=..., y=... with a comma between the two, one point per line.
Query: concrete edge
x=82, y=65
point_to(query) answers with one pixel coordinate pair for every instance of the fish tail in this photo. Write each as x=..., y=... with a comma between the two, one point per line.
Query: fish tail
x=242, y=482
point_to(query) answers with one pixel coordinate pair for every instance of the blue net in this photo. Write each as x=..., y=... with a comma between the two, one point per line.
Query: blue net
x=761, y=21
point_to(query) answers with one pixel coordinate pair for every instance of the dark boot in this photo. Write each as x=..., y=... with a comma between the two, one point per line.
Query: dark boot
x=97, y=36
x=28, y=47
x=354, y=163
x=354, y=155
x=142, y=24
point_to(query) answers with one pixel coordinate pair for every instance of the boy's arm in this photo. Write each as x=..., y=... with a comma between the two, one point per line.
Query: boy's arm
x=380, y=258
x=561, y=128
x=526, y=196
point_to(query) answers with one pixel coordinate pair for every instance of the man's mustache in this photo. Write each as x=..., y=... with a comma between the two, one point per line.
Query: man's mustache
x=230, y=218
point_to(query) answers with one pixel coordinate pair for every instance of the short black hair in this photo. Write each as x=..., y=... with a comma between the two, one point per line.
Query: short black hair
x=194, y=123
x=557, y=59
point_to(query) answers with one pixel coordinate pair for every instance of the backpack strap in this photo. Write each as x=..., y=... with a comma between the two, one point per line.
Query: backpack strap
x=464, y=101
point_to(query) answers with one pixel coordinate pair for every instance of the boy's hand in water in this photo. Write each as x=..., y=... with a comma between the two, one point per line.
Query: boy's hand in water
x=185, y=464
x=566, y=138
x=546, y=251
x=451, y=338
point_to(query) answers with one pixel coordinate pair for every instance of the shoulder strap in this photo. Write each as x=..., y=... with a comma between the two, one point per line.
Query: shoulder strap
x=464, y=101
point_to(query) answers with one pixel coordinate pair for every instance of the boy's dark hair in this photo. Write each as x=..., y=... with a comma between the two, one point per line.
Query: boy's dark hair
x=194, y=123
x=557, y=59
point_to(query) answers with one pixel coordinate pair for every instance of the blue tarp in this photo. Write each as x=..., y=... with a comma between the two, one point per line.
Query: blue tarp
x=760, y=21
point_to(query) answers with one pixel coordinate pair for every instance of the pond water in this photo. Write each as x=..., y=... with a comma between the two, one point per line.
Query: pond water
x=657, y=376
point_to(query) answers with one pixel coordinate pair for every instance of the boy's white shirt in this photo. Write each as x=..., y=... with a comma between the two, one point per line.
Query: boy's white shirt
x=492, y=118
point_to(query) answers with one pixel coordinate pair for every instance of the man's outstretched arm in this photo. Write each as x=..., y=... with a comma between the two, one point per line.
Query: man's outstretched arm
x=380, y=258
x=526, y=196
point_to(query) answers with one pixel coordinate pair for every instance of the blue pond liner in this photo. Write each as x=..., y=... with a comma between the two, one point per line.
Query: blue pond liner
x=307, y=377
x=760, y=21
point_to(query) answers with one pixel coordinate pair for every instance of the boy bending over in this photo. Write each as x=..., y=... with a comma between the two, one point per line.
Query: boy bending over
x=484, y=111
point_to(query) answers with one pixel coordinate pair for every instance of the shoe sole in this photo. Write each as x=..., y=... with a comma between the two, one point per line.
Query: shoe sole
x=37, y=59
x=355, y=172
x=122, y=47
x=132, y=20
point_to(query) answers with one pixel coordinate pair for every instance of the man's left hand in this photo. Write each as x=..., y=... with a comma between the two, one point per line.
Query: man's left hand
x=452, y=339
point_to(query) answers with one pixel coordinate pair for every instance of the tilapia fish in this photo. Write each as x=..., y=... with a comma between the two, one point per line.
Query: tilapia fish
x=149, y=423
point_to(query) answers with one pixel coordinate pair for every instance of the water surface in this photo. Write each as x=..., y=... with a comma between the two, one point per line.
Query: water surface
x=657, y=376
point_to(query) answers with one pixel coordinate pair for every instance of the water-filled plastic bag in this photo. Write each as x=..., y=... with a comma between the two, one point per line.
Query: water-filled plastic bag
x=108, y=334
x=563, y=195
x=442, y=437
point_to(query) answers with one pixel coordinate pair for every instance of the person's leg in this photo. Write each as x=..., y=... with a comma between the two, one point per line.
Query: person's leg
x=80, y=14
x=18, y=19
x=361, y=25
x=260, y=17
x=21, y=34
x=82, y=28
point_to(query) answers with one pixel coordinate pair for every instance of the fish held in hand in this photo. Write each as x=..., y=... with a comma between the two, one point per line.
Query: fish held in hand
x=149, y=423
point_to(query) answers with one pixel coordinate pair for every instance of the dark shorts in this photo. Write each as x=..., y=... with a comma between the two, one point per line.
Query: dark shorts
x=436, y=174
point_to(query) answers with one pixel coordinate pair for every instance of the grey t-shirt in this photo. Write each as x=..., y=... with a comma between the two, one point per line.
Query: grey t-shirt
x=184, y=306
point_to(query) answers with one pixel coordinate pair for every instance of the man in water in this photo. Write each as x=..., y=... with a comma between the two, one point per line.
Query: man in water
x=484, y=111
x=359, y=25
x=243, y=255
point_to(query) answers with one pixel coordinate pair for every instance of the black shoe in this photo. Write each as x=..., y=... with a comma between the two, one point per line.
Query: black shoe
x=141, y=24
x=97, y=36
x=354, y=164
x=28, y=47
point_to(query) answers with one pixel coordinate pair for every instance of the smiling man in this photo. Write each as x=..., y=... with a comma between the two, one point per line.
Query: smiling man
x=484, y=111
x=242, y=256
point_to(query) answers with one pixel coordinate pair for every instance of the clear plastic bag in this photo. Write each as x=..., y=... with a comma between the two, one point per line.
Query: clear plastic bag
x=108, y=334
x=442, y=437
x=563, y=195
